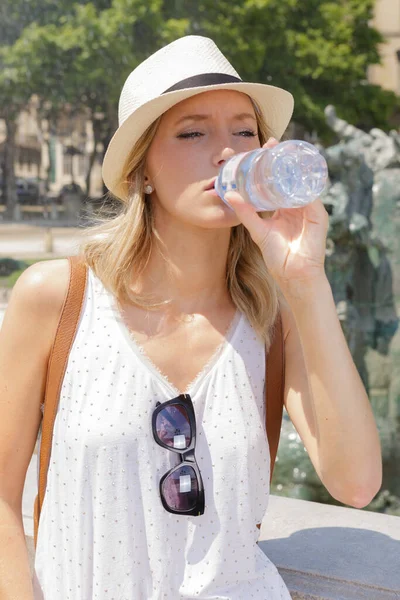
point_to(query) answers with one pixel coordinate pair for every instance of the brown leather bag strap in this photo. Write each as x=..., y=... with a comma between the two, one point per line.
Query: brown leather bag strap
x=63, y=341
x=274, y=389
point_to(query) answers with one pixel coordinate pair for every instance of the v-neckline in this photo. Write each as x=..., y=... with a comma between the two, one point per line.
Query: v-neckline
x=191, y=387
x=141, y=353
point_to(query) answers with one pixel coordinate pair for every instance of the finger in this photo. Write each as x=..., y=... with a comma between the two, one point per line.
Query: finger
x=271, y=143
x=316, y=213
x=247, y=215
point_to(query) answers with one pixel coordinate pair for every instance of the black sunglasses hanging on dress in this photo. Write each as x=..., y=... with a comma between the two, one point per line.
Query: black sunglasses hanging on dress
x=174, y=428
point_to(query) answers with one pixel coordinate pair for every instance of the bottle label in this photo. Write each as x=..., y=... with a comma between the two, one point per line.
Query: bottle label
x=229, y=173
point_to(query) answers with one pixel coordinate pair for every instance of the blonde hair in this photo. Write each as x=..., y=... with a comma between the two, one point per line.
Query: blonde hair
x=120, y=244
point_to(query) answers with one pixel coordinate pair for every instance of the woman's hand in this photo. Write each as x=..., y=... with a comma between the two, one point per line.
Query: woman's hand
x=292, y=241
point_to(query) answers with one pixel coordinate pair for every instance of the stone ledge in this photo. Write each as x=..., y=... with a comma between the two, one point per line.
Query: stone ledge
x=332, y=553
x=312, y=586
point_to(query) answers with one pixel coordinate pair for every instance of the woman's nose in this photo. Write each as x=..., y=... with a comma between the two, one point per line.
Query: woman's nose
x=221, y=157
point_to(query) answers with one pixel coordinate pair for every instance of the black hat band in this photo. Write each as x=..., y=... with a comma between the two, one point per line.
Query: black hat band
x=203, y=79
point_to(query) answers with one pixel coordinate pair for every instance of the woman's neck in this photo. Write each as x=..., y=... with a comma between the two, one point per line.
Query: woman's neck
x=188, y=267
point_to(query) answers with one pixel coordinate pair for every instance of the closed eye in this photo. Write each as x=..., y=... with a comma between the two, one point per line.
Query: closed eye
x=190, y=135
x=196, y=134
x=246, y=133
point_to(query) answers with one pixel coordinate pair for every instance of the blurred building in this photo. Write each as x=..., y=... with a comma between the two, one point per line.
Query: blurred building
x=59, y=157
x=28, y=147
x=387, y=21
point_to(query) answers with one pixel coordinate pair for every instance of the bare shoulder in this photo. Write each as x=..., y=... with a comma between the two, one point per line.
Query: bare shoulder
x=36, y=301
x=42, y=287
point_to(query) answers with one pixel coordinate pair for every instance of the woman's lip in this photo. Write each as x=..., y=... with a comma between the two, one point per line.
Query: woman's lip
x=212, y=191
x=210, y=186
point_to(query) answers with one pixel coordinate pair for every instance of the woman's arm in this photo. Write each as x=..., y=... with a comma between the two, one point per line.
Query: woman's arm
x=324, y=394
x=26, y=338
x=326, y=400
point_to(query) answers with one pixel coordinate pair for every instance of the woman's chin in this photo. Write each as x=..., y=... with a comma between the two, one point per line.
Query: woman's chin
x=219, y=214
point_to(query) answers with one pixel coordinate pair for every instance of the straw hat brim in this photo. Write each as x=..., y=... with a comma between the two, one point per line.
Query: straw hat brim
x=275, y=103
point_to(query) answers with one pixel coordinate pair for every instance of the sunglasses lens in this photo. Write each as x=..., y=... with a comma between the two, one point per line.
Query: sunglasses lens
x=180, y=489
x=173, y=427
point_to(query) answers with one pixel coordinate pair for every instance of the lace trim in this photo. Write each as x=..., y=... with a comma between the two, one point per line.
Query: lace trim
x=205, y=369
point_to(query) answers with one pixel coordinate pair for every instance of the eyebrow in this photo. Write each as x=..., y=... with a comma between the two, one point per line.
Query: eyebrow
x=239, y=117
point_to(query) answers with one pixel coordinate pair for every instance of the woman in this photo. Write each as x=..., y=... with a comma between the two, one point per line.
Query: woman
x=182, y=295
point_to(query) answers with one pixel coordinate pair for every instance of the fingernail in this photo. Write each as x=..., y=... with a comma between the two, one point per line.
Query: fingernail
x=230, y=196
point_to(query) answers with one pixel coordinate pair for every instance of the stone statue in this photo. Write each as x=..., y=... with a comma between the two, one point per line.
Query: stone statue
x=380, y=150
x=363, y=258
x=365, y=173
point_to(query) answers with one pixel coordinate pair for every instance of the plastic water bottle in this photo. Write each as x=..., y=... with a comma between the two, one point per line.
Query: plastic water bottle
x=290, y=175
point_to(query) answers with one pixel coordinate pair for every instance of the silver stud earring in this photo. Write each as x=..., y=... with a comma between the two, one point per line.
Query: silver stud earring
x=148, y=189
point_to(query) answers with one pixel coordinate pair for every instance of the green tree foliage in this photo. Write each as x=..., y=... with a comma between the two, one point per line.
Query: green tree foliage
x=320, y=50
x=77, y=62
x=79, y=53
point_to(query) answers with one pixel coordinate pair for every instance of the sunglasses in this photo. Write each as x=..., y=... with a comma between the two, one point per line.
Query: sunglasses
x=174, y=428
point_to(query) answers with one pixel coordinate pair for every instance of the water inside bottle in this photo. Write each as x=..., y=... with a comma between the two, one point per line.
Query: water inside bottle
x=290, y=175
x=300, y=175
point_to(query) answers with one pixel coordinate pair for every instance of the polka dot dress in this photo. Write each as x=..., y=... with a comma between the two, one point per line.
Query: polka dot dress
x=103, y=533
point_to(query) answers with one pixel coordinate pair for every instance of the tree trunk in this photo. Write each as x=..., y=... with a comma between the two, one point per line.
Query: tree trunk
x=50, y=165
x=46, y=134
x=9, y=183
x=106, y=138
x=50, y=134
x=97, y=127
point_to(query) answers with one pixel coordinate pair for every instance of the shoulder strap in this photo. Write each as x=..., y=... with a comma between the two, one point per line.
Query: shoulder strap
x=63, y=340
x=274, y=389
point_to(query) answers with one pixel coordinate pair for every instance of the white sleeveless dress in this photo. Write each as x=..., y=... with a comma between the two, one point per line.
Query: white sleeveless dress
x=103, y=533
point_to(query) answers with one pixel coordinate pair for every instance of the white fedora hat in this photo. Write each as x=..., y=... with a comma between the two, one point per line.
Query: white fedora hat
x=189, y=66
